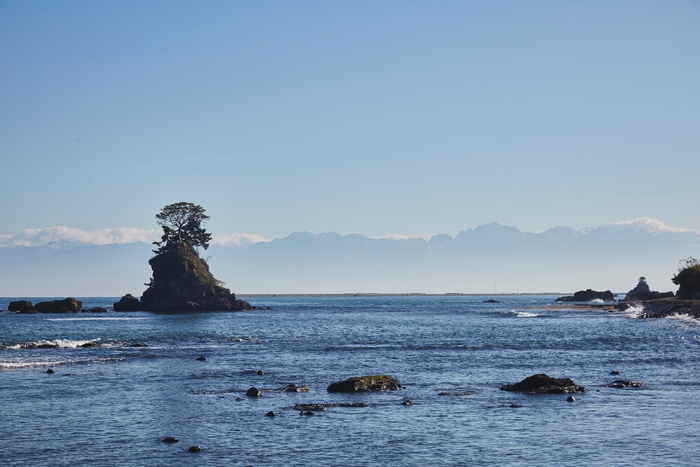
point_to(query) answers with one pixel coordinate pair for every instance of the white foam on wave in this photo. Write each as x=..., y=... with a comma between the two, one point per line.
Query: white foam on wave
x=634, y=311
x=18, y=365
x=94, y=319
x=524, y=314
x=58, y=343
x=684, y=318
x=597, y=301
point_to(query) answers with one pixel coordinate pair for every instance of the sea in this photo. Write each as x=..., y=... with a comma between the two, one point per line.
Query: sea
x=112, y=404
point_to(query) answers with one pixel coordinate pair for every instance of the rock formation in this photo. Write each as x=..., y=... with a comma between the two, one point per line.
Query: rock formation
x=587, y=296
x=20, y=306
x=127, y=303
x=543, y=384
x=67, y=305
x=643, y=292
x=688, y=280
x=366, y=384
x=182, y=282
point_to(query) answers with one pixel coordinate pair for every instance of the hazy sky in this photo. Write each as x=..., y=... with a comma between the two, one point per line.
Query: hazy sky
x=371, y=117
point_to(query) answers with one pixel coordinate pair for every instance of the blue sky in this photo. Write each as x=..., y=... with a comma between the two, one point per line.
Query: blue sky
x=372, y=117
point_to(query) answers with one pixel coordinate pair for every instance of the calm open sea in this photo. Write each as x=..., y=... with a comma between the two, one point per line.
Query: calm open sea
x=112, y=405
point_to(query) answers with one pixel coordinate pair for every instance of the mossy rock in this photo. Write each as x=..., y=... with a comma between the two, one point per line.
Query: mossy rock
x=366, y=384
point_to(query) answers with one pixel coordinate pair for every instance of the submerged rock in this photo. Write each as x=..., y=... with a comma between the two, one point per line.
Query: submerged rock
x=170, y=440
x=97, y=309
x=201, y=359
x=253, y=392
x=270, y=414
x=543, y=384
x=587, y=296
x=194, y=449
x=571, y=399
x=491, y=301
x=366, y=384
x=127, y=303
x=67, y=305
x=50, y=371
x=457, y=394
x=182, y=282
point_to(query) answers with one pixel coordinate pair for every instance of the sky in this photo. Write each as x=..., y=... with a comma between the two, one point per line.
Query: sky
x=382, y=118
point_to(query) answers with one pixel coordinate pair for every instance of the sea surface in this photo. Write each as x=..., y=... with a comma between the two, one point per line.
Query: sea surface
x=111, y=405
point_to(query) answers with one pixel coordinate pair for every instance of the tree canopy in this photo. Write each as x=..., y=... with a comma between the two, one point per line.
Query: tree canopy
x=182, y=222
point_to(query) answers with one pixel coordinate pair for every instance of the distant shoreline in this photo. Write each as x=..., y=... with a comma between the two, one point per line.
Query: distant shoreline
x=416, y=294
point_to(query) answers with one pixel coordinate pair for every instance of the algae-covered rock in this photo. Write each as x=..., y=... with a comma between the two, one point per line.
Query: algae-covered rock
x=182, y=282
x=543, y=384
x=366, y=384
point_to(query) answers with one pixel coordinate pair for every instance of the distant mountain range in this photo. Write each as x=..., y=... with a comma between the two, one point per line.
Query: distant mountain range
x=477, y=260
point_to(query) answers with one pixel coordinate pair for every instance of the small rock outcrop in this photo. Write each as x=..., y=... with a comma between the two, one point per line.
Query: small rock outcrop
x=688, y=280
x=587, y=296
x=182, y=282
x=20, y=306
x=624, y=383
x=253, y=392
x=643, y=292
x=543, y=384
x=67, y=305
x=170, y=440
x=127, y=303
x=366, y=384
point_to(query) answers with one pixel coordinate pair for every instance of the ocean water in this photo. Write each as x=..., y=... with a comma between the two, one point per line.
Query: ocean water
x=111, y=405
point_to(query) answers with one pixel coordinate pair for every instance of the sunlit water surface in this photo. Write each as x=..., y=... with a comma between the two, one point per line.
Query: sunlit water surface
x=112, y=405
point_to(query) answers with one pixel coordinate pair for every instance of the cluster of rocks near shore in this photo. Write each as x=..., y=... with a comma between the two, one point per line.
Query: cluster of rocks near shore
x=67, y=305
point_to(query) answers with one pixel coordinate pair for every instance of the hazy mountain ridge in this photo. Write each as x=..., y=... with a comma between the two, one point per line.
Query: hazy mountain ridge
x=473, y=261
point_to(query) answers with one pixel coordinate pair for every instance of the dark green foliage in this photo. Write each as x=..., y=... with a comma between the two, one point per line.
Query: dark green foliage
x=182, y=222
x=688, y=278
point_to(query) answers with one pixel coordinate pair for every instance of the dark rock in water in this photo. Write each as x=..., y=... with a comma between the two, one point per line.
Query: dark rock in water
x=260, y=372
x=194, y=449
x=170, y=440
x=621, y=306
x=138, y=345
x=20, y=305
x=127, y=303
x=623, y=383
x=253, y=392
x=97, y=309
x=516, y=406
x=239, y=399
x=543, y=384
x=407, y=401
x=668, y=307
x=614, y=372
x=67, y=305
x=308, y=412
x=270, y=414
x=571, y=399
x=88, y=345
x=182, y=282
x=50, y=371
x=201, y=359
x=491, y=301
x=587, y=296
x=28, y=312
x=366, y=384
x=447, y=393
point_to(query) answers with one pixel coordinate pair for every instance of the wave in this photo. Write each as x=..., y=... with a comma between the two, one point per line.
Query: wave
x=634, y=311
x=53, y=344
x=684, y=318
x=50, y=363
x=523, y=314
x=94, y=319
